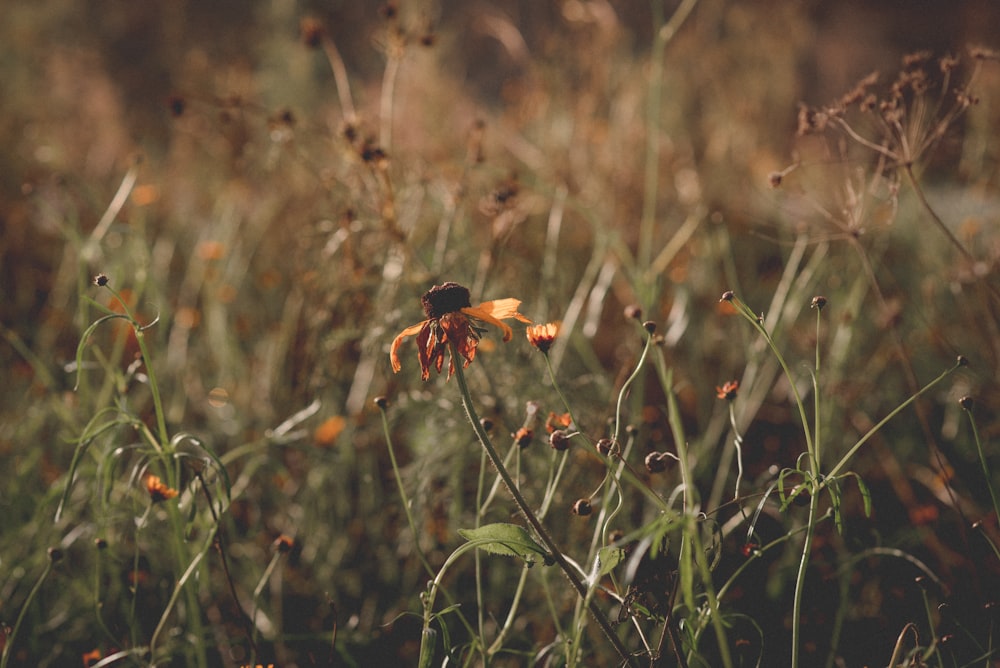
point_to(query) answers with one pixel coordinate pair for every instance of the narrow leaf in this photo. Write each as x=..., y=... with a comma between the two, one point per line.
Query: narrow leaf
x=505, y=539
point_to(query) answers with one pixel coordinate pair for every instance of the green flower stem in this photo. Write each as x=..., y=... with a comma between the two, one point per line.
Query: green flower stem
x=738, y=443
x=800, y=577
x=402, y=492
x=816, y=398
x=533, y=520
x=871, y=432
x=982, y=461
x=258, y=590
x=12, y=636
x=691, y=548
x=140, y=337
x=758, y=323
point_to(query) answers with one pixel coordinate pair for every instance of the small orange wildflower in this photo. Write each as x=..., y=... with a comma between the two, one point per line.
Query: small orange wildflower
x=92, y=657
x=556, y=421
x=452, y=318
x=728, y=390
x=283, y=543
x=158, y=490
x=326, y=434
x=543, y=336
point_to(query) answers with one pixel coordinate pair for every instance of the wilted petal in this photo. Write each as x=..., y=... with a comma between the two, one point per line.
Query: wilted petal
x=394, y=349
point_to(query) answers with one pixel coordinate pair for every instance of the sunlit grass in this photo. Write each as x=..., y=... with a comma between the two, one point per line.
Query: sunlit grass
x=208, y=457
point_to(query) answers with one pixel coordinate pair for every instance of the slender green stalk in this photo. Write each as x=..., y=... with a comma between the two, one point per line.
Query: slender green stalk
x=738, y=444
x=800, y=577
x=987, y=474
x=12, y=636
x=881, y=423
x=556, y=553
x=402, y=490
x=192, y=601
x=758, y=323
x=691, y=548
x=257, y=591
x=817, y=434
x=478, y=558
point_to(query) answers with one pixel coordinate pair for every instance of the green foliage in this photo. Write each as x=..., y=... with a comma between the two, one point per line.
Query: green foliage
x=209, y=243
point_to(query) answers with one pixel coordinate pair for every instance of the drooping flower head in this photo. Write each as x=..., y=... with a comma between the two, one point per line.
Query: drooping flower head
x=452, y=318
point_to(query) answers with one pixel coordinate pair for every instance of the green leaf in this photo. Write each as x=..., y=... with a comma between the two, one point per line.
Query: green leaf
x=508, y=540
x=609, y=557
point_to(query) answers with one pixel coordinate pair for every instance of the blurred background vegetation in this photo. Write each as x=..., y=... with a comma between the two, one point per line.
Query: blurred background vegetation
x=281, y=241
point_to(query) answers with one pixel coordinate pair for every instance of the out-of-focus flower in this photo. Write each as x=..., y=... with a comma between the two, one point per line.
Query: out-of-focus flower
x=728, y=390
x=158, y=490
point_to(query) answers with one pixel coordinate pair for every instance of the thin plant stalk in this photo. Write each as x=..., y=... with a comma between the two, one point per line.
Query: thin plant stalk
x=881, y=423
x=987, y=474
x=556, y=553
x=800, y=576
x=402, y=490
x=12, y=636
x=691, y=545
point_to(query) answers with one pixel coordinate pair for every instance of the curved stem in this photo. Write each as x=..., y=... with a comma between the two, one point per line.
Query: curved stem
x=800, y=578
x=20, y=617
x=522, y=504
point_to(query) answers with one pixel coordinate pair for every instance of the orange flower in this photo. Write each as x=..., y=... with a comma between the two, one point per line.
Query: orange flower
x=728, y=390
x=452, y=318
x=326, y=434
x=555, y=421
x=542, y=336
x=158, y=491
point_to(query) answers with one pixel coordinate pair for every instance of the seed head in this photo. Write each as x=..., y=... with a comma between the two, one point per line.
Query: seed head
x=582, y=508
x=559, y=440
x=177, y=105
x=966, y=403
x=818, y=302
x=101, y=280
x=656, y=462
x=283, y=544
x=446, y=298
x=312, y=32
x=381, y=402
x=633, y=311
x=523, y=437
x=727, y=296
x=605, y=446
x=649, y=326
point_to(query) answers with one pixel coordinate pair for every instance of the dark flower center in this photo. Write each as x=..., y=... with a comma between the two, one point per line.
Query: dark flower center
x=447, y=298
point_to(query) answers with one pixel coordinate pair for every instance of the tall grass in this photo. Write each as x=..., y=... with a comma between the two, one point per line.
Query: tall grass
x=210, y=461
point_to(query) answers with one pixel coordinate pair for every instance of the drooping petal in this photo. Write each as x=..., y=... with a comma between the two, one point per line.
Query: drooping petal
x=495, y=310
x=430, y=348
x=460, y=332
x=393, y=350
